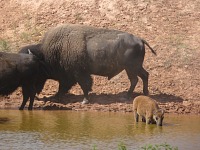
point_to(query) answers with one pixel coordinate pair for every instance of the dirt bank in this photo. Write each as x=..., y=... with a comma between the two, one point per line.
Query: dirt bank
x=171, y=27
x=112, y=101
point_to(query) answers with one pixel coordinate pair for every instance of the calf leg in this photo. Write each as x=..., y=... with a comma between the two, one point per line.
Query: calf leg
x=148, y=120
x=136, y=116
x=144, y=75
x=143, y=119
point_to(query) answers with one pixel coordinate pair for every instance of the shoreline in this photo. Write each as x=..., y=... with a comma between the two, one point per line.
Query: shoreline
x=169, y=107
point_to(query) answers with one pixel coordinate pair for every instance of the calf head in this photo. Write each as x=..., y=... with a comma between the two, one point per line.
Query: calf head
x=158, y=116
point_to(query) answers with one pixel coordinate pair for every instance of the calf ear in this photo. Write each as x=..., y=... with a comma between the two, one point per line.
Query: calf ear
x=154, y=112
x=29, y=52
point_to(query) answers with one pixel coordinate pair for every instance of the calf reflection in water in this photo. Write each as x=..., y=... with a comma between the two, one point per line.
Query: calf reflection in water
x=148, y=110
x=4, y=120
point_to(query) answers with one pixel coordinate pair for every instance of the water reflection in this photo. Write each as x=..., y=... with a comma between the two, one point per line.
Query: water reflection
x=3, y=120
x=83, y=130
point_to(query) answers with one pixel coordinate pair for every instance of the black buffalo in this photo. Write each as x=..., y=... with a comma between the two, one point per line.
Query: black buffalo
x=74, y=52
x=23, y=70
x=66, y=80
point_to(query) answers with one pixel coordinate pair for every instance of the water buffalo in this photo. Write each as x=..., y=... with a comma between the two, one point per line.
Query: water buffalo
x=23, y=70
x=74, y=52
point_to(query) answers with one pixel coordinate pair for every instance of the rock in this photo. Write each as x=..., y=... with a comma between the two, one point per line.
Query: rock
x=187, y=103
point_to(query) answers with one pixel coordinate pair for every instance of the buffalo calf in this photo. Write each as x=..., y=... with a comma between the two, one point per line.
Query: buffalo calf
x=148, y=109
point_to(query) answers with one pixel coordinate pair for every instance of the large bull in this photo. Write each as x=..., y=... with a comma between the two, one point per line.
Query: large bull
x=74, y=52
x=23, y=70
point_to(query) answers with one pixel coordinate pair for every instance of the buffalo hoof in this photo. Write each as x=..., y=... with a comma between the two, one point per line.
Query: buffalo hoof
x=20, y=108
x=146, y=92
x=30, y=109
x=85, y=101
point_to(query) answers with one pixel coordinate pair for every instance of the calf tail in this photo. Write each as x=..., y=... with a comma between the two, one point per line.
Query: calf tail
x=145, y=42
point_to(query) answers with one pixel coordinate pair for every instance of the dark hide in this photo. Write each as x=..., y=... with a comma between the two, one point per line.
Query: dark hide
x=34, y=49
x=19, y=70
x=74, y=52
x=66, y=80
x=110, y=53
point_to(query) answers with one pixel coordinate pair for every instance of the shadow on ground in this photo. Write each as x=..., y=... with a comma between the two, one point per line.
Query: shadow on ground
x=111, y=98
x=164, y=98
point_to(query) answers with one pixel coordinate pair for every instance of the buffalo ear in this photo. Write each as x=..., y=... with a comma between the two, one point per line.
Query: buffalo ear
x=29, y=52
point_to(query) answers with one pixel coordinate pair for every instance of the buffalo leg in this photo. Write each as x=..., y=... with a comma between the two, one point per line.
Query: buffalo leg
x=85, y=81
x=32, y=94
x=64, y=87
x=61, y=91
x=25, y=93
x=133, y=79
x=144, y=75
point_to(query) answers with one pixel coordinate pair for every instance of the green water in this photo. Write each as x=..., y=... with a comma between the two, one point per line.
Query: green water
x=85, y=130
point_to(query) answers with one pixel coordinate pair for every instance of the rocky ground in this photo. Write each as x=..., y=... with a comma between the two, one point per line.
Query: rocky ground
x=102, y=100
x=171, y=27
